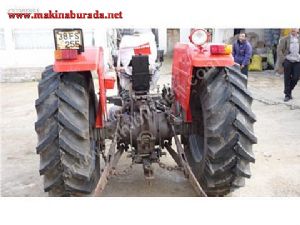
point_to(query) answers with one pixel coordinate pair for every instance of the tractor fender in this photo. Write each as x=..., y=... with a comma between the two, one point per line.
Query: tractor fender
x=186, y=57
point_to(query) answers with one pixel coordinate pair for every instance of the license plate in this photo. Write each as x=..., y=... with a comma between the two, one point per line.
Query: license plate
x=68, y=39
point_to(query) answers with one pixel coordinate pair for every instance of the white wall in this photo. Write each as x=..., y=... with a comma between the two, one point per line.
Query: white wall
x=41, y=57
x=184, y=35
x=222, y=35
x=100, y=36
x=34, y=56
x=162, y=39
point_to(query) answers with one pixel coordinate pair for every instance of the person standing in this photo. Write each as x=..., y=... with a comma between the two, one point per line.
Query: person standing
x=288, y=53
x=242, y=52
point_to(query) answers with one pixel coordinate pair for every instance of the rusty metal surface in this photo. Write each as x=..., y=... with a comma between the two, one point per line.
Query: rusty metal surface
x=174, y=154
x=107, y=172
x=179, y=157
x=112, y=159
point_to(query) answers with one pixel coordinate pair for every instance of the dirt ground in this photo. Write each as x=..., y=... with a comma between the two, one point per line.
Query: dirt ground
x=276, y=171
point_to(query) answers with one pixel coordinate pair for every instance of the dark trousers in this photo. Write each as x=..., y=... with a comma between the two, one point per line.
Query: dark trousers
x=244, y=70
x=291, y=76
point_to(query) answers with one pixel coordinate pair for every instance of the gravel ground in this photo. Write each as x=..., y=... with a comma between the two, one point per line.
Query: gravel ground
x=275, y=173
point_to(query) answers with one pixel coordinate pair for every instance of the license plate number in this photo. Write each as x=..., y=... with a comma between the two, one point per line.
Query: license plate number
x=68, y=39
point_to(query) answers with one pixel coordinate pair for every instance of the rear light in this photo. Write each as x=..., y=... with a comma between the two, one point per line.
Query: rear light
x=65, y=54
x=221, y=49
x=109, y=82
x=142, y=49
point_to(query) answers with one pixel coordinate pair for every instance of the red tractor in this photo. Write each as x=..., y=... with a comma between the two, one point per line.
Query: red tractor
x=206, y=112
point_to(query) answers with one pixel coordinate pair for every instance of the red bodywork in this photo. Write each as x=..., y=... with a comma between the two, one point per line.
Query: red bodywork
x=185, y=58
x=90, y=59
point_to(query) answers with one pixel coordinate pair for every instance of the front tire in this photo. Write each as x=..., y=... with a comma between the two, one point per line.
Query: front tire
x=66, y=111
x=219, y=141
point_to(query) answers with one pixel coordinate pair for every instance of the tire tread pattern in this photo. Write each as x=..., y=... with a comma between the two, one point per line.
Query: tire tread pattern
x=229, y=128
x=67, y=159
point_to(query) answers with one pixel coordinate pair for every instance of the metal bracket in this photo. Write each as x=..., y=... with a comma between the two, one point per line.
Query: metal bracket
x=113, y=157
x=187, y=169
x=112, y=160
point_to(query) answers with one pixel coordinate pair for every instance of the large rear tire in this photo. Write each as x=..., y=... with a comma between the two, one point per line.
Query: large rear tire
x=219, y=141
x=66, y=111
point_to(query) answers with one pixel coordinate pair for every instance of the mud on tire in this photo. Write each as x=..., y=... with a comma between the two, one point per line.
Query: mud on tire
x=219, y=141
x=66, y=110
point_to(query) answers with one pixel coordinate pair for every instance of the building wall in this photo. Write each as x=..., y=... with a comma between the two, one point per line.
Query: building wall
x=259, y=32
x=32, y=48
x=173, y=37
x=2, y=39
x=162, y=39
x=184, y=35
x=25, y=52
x=222, y=35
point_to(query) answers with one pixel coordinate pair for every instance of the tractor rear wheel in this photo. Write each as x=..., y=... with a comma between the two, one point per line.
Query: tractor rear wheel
x=66, y=111
x=218, y=144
